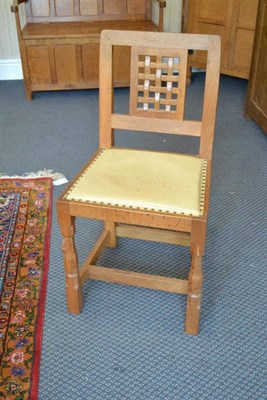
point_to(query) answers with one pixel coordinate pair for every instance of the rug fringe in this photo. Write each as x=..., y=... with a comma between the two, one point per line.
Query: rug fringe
x=48, y=173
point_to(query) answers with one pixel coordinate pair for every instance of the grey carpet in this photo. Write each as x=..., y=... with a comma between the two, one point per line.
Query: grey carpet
x=128, y=343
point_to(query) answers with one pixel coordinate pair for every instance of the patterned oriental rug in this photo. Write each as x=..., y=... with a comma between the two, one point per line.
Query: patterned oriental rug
x=25, y=225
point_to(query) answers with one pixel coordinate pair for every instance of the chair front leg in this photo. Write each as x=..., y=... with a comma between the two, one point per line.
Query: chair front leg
x=198, y=238
x=194, y=296
x=73, y=283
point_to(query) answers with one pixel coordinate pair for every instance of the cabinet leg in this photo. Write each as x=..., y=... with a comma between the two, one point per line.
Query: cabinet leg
x=28, y=92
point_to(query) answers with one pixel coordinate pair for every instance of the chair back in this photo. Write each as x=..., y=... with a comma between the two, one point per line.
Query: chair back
x=158, y=85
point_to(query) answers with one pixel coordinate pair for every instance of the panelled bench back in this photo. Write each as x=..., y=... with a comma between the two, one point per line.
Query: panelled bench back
x=59, y=44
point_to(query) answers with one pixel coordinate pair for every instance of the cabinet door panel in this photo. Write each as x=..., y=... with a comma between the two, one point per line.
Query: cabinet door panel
x=39, y=67
x=213, y=11
x=67, y=63
x=257, y=89
x=90, y=62
x=243, y=49
x=247, y=13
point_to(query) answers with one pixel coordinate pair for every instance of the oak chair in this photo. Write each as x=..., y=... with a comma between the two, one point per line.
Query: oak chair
x=146, y=194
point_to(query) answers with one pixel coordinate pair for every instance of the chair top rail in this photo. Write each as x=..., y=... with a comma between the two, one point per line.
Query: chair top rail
x=167, y=40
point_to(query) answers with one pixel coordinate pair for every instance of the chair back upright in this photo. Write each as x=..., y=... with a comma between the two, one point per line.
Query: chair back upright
x=158, y=86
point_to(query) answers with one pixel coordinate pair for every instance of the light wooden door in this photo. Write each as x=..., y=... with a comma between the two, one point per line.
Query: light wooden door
x=257, y=91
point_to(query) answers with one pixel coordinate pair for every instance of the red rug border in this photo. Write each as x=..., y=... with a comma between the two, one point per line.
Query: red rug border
x=33, y=393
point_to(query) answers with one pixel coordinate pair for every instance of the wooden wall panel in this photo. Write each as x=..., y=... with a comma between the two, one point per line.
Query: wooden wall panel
x=88, y=7
x=64, y=8
x=38, y=59
x=40, y=8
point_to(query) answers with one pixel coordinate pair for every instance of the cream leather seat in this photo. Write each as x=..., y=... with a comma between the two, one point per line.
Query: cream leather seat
x=143, y=180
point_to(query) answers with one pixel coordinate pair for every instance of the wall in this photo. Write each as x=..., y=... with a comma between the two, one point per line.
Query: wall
x=10, y=65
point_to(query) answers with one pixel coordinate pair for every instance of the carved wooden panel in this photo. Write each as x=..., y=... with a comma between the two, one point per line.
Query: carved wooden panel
x=39, y=67
x=113, y=7
x=67, y=63
x=136, y=7
x=90, y=62
x=40, y=8
x=64, y=8
x=88, y=7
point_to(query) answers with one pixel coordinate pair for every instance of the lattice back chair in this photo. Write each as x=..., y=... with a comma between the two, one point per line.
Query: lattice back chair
x=142, y=194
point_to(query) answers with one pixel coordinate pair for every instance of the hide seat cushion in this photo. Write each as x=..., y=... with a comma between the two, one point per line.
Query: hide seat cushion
x=145, y=180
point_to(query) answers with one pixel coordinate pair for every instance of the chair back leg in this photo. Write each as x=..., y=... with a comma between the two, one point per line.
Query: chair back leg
x=111, y=227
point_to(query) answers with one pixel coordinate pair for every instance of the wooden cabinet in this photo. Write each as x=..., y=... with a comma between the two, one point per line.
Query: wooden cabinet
x=59, y=45
x=234, y=21
x=257, y=89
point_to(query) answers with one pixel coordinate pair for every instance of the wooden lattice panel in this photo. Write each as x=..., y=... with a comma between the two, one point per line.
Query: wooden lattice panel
x=158, y=82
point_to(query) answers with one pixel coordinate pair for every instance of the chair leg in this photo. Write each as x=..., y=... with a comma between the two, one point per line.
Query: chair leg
x=198, y=238
x=111, y=226
x=194, y=296
x=73, y=283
